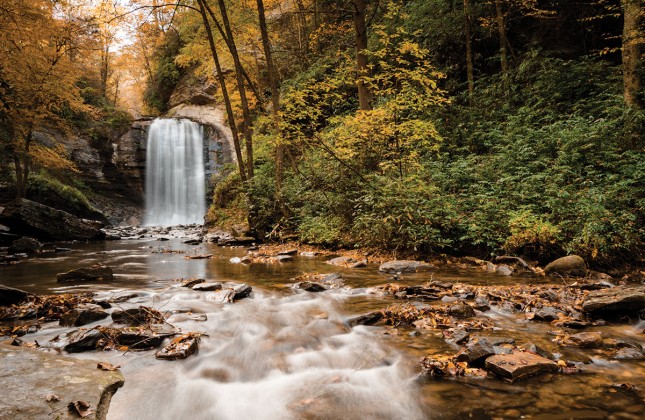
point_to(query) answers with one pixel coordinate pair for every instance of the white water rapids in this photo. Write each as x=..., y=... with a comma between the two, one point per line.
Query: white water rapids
x=175, y=189
x=268, y=358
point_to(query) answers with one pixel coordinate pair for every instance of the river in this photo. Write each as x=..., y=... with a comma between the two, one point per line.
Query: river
x=286, y=353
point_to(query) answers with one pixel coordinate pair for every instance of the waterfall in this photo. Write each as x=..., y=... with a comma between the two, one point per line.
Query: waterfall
x=175, y=189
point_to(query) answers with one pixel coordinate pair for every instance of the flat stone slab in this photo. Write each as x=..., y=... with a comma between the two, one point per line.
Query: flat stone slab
x=404, y=266
x=520, y=365
x=615, y=301
x=28, y=376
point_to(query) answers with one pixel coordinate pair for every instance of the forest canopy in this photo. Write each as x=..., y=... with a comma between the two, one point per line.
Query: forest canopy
x=434, y=126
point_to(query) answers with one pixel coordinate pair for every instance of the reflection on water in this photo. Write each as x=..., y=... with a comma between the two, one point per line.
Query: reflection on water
x=287, y=354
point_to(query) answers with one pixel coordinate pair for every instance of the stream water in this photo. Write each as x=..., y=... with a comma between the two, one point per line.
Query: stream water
x=289, y=354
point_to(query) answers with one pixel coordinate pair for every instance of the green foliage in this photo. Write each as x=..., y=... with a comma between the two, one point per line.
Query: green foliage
x=407, y=214
x=48, y=190
x=166, y=73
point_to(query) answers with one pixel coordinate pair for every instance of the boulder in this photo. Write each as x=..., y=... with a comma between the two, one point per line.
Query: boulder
x=461, y=311
x=207, y=287
x=404, y=266
x=191, y=282
x=93, y=273
x=584, y=340
x=242, y=291
x=180, y=347
x=10, y=296
x=572, y=266
x=83, y=314
x=370, y=318
x=347, y=262
x=146, y=338
x=519, y=365
x=476, y=351
x=616, y=301
x=137, y=316
x=30, y=375
x=457, y=336
x=82, y=340
x=546, y=313
x=26, y=245
x=310, y=286
x=43, y=222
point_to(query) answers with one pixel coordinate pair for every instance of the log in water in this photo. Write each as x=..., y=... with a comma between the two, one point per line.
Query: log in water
x=175, y=189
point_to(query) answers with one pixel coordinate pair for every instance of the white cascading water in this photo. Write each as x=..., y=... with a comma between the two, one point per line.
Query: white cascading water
x=175, y=189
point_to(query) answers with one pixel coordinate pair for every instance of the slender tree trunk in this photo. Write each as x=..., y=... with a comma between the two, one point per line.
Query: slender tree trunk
x=105, y=67
x=632, y=48
x=250, y=83
x=247, y=129
x=501, y=29
x=469, y=50
x=275, y=101
x=360, y=29
x=227, y=100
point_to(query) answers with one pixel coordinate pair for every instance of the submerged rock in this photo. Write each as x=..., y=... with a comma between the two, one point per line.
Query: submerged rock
x=615, y=301
x=519, y=365
x=30, y=375
x=572, y=265
x=404, y=266
x=96, y=272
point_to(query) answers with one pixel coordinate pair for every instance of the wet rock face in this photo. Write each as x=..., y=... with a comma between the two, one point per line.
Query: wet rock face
x=30, y=375
x=10, y=296
x=573, y=266
x=96, y=272
x=404, y=266
x=36, y=220
x=519, y=365
x=615, y=301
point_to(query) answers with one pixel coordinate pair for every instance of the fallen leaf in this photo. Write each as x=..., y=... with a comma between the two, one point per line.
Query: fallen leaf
x=52, y=398
x=107, y=366
x=80, y=407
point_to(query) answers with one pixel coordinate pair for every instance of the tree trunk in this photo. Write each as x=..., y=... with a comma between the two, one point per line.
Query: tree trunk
x=275, y=101
x=362, y=70
x=469, y=50
x=501, y=29
x=248, y=132
x=632, y=62
x=227, y=100
x=250, y=83
x=105, y=67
